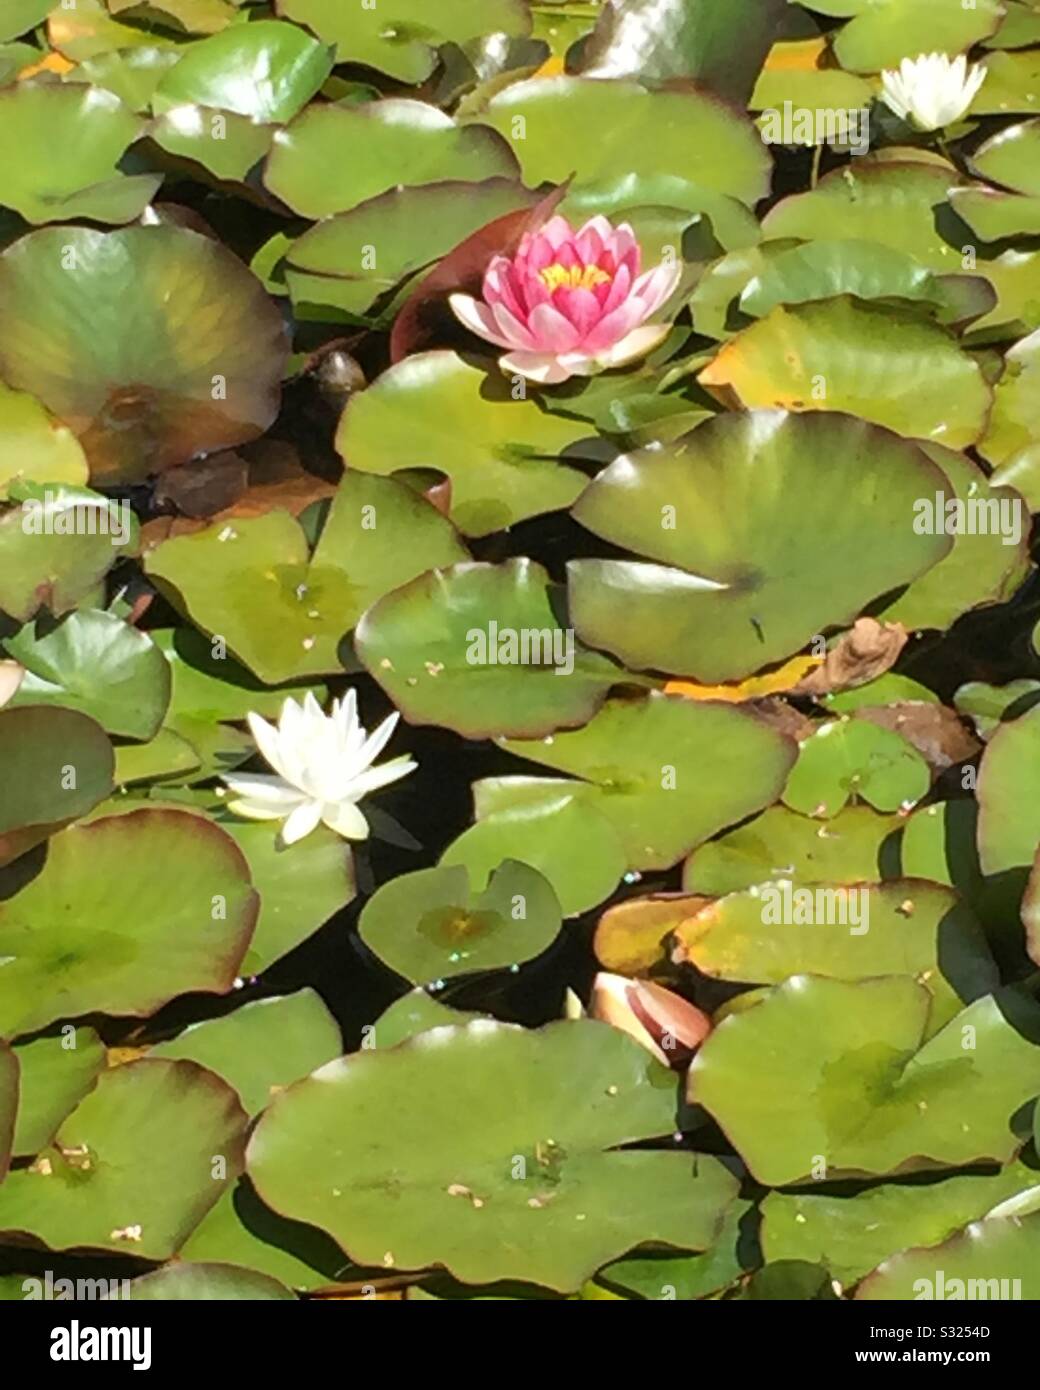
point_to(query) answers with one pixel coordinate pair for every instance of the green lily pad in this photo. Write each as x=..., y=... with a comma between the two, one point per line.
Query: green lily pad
x=990, y=706
x=136, y=1165
x=884, y=365
x=848, y=758
x=55, y=1073
x=241, y=1230
x=634, y=936
x=615, y=196
x=57, y=544
x=434, y=924
x=393, y=143
x=400, y=38
x=842, y=1074
x=300, y=887
x=1009, y=808
x=229, y=146
x=667, y=1277
x=778, y=844
x=684, y=133
x=266, y=70
x=154, y=344
x=1011, y=158
x=524, y=1184
x=751, y=590
x=1013, y=433
x=548, y=824
x=58, y=766
x=993, y=215
x=262, y=1047
x=94, y=662
x=37, y=448
x=852, y=1235
x=128, y=911
x=413, y=1013
x=882, y=35
x=370, y=250
x=995, y=1258
x=907, y=927
x=1012, y=84
x=131, y=73
x=59, y=148
x=502, y=455
x=483, y=649
x=167, y=755
x=990, y=555
x=88, y=30
x=22, y=15
x=208, y=1283
x=250, y=582
x=9, y=1097
x=667, y=773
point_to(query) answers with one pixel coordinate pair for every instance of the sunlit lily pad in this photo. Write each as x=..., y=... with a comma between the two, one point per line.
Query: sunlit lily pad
x=886, y=366
x=822, y=1071
x=153, y=343
x=400, y=38
x=1009, y=808
x=131, y=73
x=1012, y=84
x=433, y=924
x=483, y=649
x=9, y=1089
x=229, y=146
x=391, y=143
x=94, y=662
x=208, y=1283
x=748, y=589
x=136, y=1165
x=685, y=1277
x=852, y=758
x=262, y=1047
x=995, y=1258
x=850, y=848
x=59, y=148
x=1013, y=434
x=209, y=684
x=907, y=927
x=502, y=455
x=128, y=912
x=37, y=448
x=881, y=35
x=55, y=1073
x=685, y=133
x=22, y=15
x=524, y=1184
x=265, y=70
x=668, y=773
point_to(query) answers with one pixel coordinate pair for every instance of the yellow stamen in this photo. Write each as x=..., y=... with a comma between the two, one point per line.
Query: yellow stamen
x=575, y=277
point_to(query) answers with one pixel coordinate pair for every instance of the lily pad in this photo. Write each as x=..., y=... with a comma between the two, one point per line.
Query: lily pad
x=995, y=1258
x=880, y=36
x=852, y=1235
x=1011, y=158
x=208, y=1283
x=55, y=1073
x=548, y=824
x=850, y=848
x=684, y=133
x=667, y=773
x=687, y=1277
x=502, y=455
x=632, y=937
x=266, y=70
x=93, y=662
x=400, y=38
x=227, y=145
x=434, y=924
x=886, y=366
x=22, y=15
x=58, y=766
x=392, y=143
x=848, y=758
x=59, y=148
x=1009, y=809
x=36, y=447
x=131, y=73
x=1013, y=433
x=842, y=1074
x=9, y=1089
x=483, y=649
x=907, y=927
x=128, y=911
x=136, y=1165
x=209, y=685
x=525, y=1184
x=153, y=344
x=750, y=590
x=262, y=1047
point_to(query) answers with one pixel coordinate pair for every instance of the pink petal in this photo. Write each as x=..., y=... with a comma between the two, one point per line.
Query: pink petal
x=499, y=289
x=552, y=332
x=478, y=318
x=617, y=291
x=657, y=285
x=512, y=329
x=580, y=307
x=557, y=232
x=543, y=367
x=615, y=326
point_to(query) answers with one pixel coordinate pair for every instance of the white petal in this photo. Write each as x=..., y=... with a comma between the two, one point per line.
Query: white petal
x=635, y=344
x=301, y=822
x=542, y=367
x=368, y=782
x=279, y=795
x=376, y=742
x=268, y=741
x=346, y=819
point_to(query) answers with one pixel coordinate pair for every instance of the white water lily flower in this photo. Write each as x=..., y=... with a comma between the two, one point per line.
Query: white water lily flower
x=324, y=766
x=930, y=91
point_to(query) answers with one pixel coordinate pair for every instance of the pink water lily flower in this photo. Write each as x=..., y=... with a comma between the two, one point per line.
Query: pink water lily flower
x=570, y=303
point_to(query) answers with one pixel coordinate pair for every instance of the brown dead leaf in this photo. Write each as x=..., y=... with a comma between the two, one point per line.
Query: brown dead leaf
x=938, y=733
x=866, y=651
